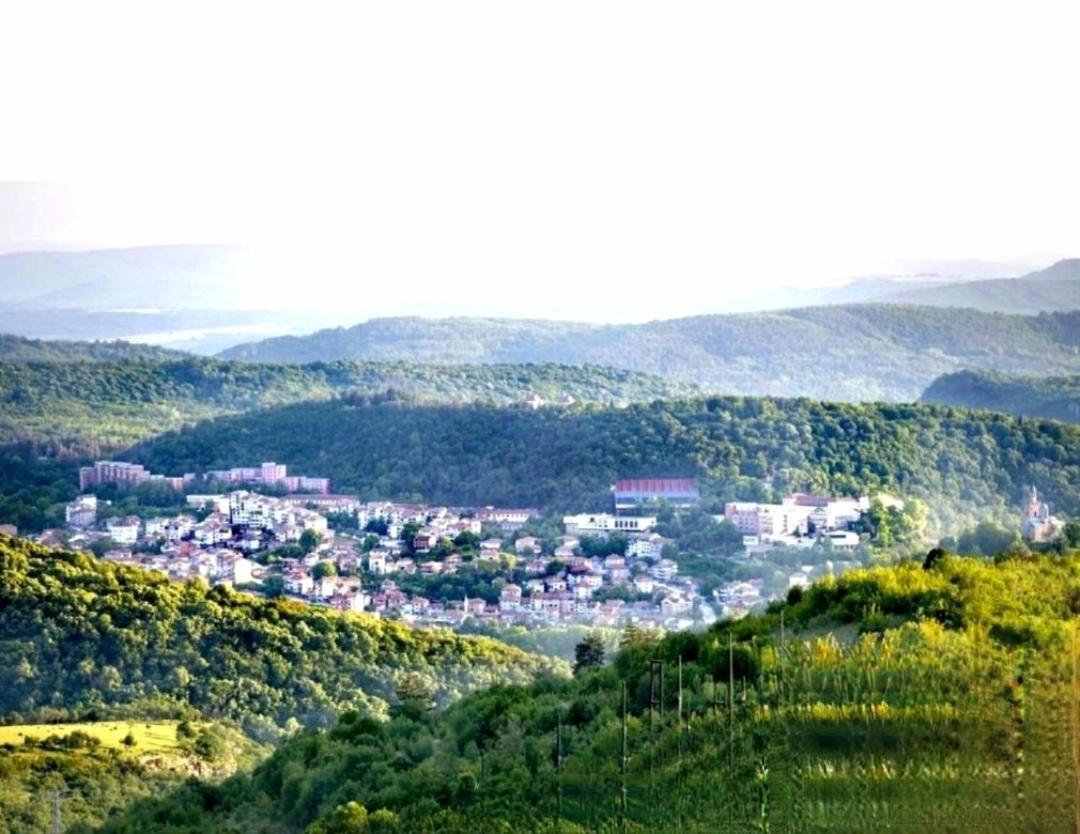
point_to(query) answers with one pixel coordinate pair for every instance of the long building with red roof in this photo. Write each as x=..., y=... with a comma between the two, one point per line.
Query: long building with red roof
x=679, y=492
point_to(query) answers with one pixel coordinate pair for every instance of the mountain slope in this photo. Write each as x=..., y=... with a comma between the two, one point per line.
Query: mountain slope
x=964, y=465
x=91, y=406
x=1055, y=397
x=850, y=352
x=1036, y=293
x=1055, y=288
x=956, y=695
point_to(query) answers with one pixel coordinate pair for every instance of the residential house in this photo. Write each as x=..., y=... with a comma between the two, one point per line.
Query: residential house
x=82, y=512
x=124, y=530
x=527, y=545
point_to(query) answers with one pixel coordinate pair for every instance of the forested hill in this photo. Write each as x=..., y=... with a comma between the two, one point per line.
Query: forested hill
x=91, y=407
x=961, y=463
x=19, y=349
x=80, y=635
x=1053, y=397
x=852, y=352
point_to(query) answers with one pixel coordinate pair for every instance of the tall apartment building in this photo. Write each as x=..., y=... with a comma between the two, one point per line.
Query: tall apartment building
x=126, y=474
x=112, y=472
x=271, y=474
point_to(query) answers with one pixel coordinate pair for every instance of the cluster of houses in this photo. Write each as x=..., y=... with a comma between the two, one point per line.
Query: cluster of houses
x=397, y=545
x=555, y=583
x=538, y=582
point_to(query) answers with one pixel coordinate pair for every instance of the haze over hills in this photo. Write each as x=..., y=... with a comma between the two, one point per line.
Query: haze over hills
x=205, y=298
x=847, y=352
x=1054, y=397
x=1054, y=288
x=192, y=297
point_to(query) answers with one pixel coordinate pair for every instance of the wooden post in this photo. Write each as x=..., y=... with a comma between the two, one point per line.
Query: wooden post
x=622, y=767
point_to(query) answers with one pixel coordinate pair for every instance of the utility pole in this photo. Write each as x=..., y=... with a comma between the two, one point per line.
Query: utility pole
x=1074, y=720
x=783, y=652
x=656, y=692
x=558, y=763
x=731, y=699
x=622, y=767
x=680, y=693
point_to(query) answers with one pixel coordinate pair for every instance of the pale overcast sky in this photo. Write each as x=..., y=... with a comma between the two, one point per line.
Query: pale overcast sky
x=596, y=151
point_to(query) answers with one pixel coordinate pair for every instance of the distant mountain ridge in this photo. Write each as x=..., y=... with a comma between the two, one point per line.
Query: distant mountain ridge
x=20, y=349
x=845, y=352
x=1053, y=397
x=1055, y=288
x=170, y=277
x=205, y=298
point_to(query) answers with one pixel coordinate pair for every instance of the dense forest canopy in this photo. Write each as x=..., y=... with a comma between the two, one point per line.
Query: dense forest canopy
x=964, y=465
x=83, y=637
x=897, y=697
x=854, y=352
x=1051, y=397
x=87, y=407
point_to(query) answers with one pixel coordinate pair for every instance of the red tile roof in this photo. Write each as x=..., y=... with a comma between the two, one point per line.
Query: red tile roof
x=656, y=485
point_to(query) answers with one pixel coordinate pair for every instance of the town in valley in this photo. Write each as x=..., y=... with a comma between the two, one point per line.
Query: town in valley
x=263, y=530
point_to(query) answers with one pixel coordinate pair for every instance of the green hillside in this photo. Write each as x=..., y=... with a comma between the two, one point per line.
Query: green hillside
x=847, y=352
x=88, y=407
x=19, y=349
x=1051, y=397
x=92, y=770
x=964, y=465
x=930, y=697
x=82, y=637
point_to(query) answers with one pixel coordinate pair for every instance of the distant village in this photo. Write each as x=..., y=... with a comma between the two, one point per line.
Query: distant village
x=379, y=561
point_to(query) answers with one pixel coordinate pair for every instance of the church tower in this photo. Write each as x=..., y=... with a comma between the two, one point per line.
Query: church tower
x=1033, y=505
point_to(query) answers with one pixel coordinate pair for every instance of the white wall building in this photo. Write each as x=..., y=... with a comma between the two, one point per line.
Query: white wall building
x=602, y=524
x=124, y=530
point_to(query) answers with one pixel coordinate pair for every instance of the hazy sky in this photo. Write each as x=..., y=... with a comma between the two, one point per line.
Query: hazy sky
x=590, y=150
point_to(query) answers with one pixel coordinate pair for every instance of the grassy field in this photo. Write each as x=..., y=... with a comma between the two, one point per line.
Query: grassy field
x=150, y=737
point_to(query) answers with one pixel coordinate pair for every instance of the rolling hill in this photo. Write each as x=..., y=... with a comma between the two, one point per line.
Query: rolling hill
x=1053, y=397
x=849, y=352
x=86, y=407
x=1056, y=288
